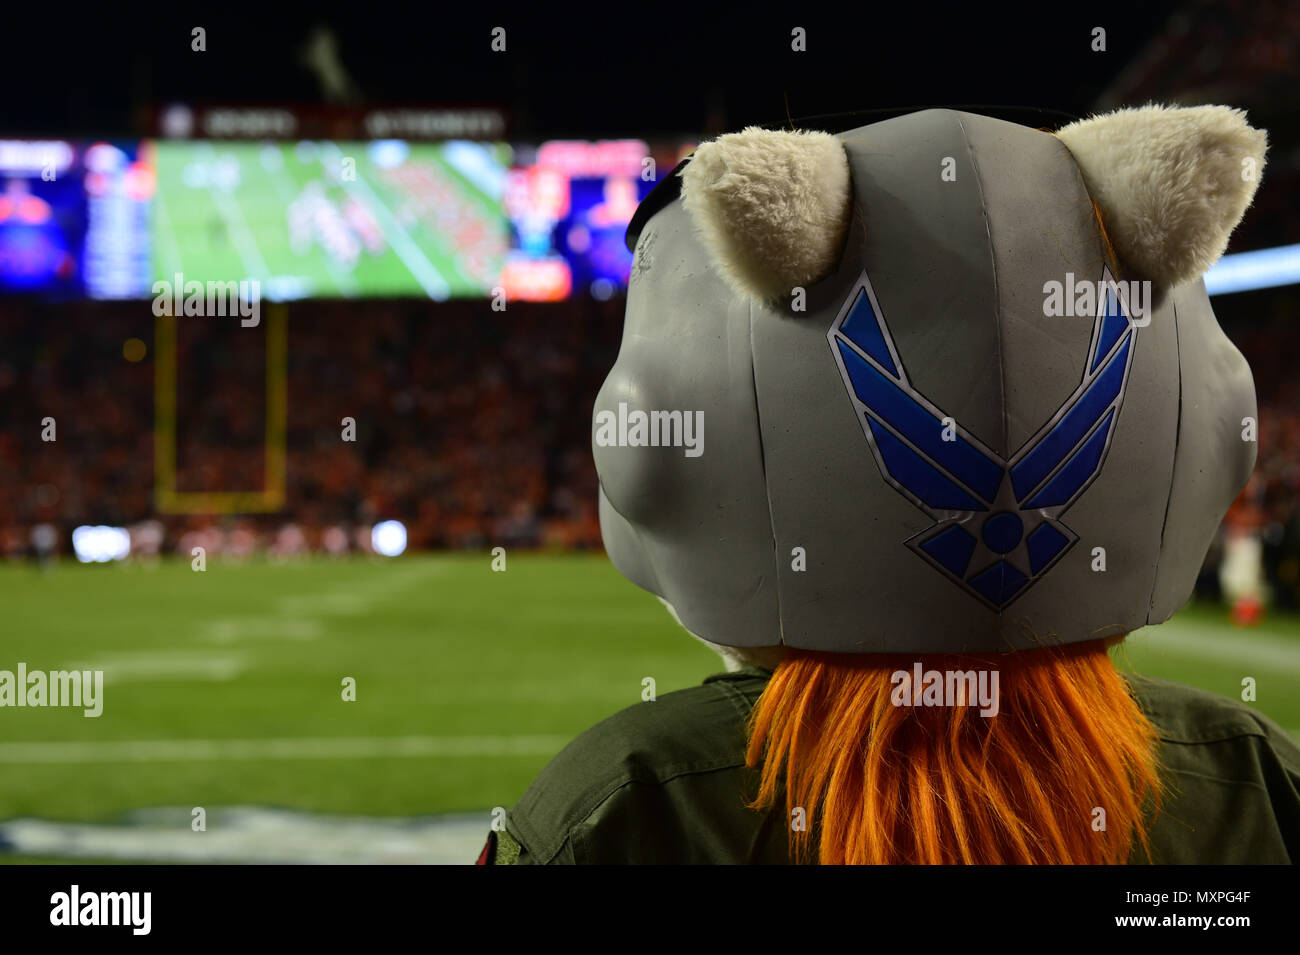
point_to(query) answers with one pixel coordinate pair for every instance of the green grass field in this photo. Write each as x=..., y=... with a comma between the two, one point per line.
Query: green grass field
x=467, y=681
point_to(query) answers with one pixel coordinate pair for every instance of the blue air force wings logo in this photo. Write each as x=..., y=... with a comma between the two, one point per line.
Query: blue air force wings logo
x=997, y=523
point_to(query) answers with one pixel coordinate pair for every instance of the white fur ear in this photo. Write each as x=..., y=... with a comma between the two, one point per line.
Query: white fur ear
x=771, y=206
x=1172, y=182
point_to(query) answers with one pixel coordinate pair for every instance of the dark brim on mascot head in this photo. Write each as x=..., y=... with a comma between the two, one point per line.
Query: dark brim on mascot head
x=956, y=382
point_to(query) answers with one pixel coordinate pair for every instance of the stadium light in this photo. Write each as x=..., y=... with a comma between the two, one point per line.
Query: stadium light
x=100, y=543
x=388, y=538
x=1245, y=271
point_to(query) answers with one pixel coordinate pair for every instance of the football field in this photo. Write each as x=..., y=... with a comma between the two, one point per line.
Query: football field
x=225, y=689
x=332, y=219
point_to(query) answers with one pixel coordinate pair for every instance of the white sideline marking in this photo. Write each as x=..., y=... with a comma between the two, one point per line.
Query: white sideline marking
x=254, y=835
x=198, y=750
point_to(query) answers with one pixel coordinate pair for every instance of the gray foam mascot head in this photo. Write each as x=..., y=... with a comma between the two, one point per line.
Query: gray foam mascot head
x=941, y=383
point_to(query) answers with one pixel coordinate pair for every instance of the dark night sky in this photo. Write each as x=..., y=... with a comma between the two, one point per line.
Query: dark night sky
x=630, y=70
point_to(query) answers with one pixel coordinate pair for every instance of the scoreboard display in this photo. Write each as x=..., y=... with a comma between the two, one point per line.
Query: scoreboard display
x=380, y=218
x=74, y=218
x=569, y=204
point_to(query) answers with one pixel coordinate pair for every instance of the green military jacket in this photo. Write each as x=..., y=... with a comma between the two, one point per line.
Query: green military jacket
x=666, y=781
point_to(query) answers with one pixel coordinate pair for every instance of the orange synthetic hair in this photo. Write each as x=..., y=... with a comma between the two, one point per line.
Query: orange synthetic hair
x=886, y=783
x=1111, y=258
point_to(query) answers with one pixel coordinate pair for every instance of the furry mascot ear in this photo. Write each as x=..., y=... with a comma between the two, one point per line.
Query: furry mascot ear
x=1172, y=182
x=771, y=206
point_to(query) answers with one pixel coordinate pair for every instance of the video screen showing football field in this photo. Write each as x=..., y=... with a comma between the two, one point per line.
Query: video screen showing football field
x=325, y=219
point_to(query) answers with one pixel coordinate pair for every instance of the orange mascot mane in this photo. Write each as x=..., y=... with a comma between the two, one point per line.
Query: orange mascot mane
x=883, y=783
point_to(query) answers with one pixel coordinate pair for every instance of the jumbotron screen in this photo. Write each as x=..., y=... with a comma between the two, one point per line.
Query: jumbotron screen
x=385, y=218
x=323, y=219
x=569, y=203
x=73, y=218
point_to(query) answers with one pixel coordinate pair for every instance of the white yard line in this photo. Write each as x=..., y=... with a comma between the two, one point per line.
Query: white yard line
x=173, y=250
x=299, y=616
x=287, y=189
x=309, y=747
x=240, y=234
x=1241, y=649
x=412, y=256
x=224, y=630
x=166, y=665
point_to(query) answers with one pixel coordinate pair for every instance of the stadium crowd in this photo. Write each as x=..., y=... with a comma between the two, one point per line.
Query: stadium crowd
x=472, y=428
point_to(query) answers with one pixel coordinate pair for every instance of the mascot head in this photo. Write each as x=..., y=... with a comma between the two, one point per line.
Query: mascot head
x=935, y=389
x=940, y=384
